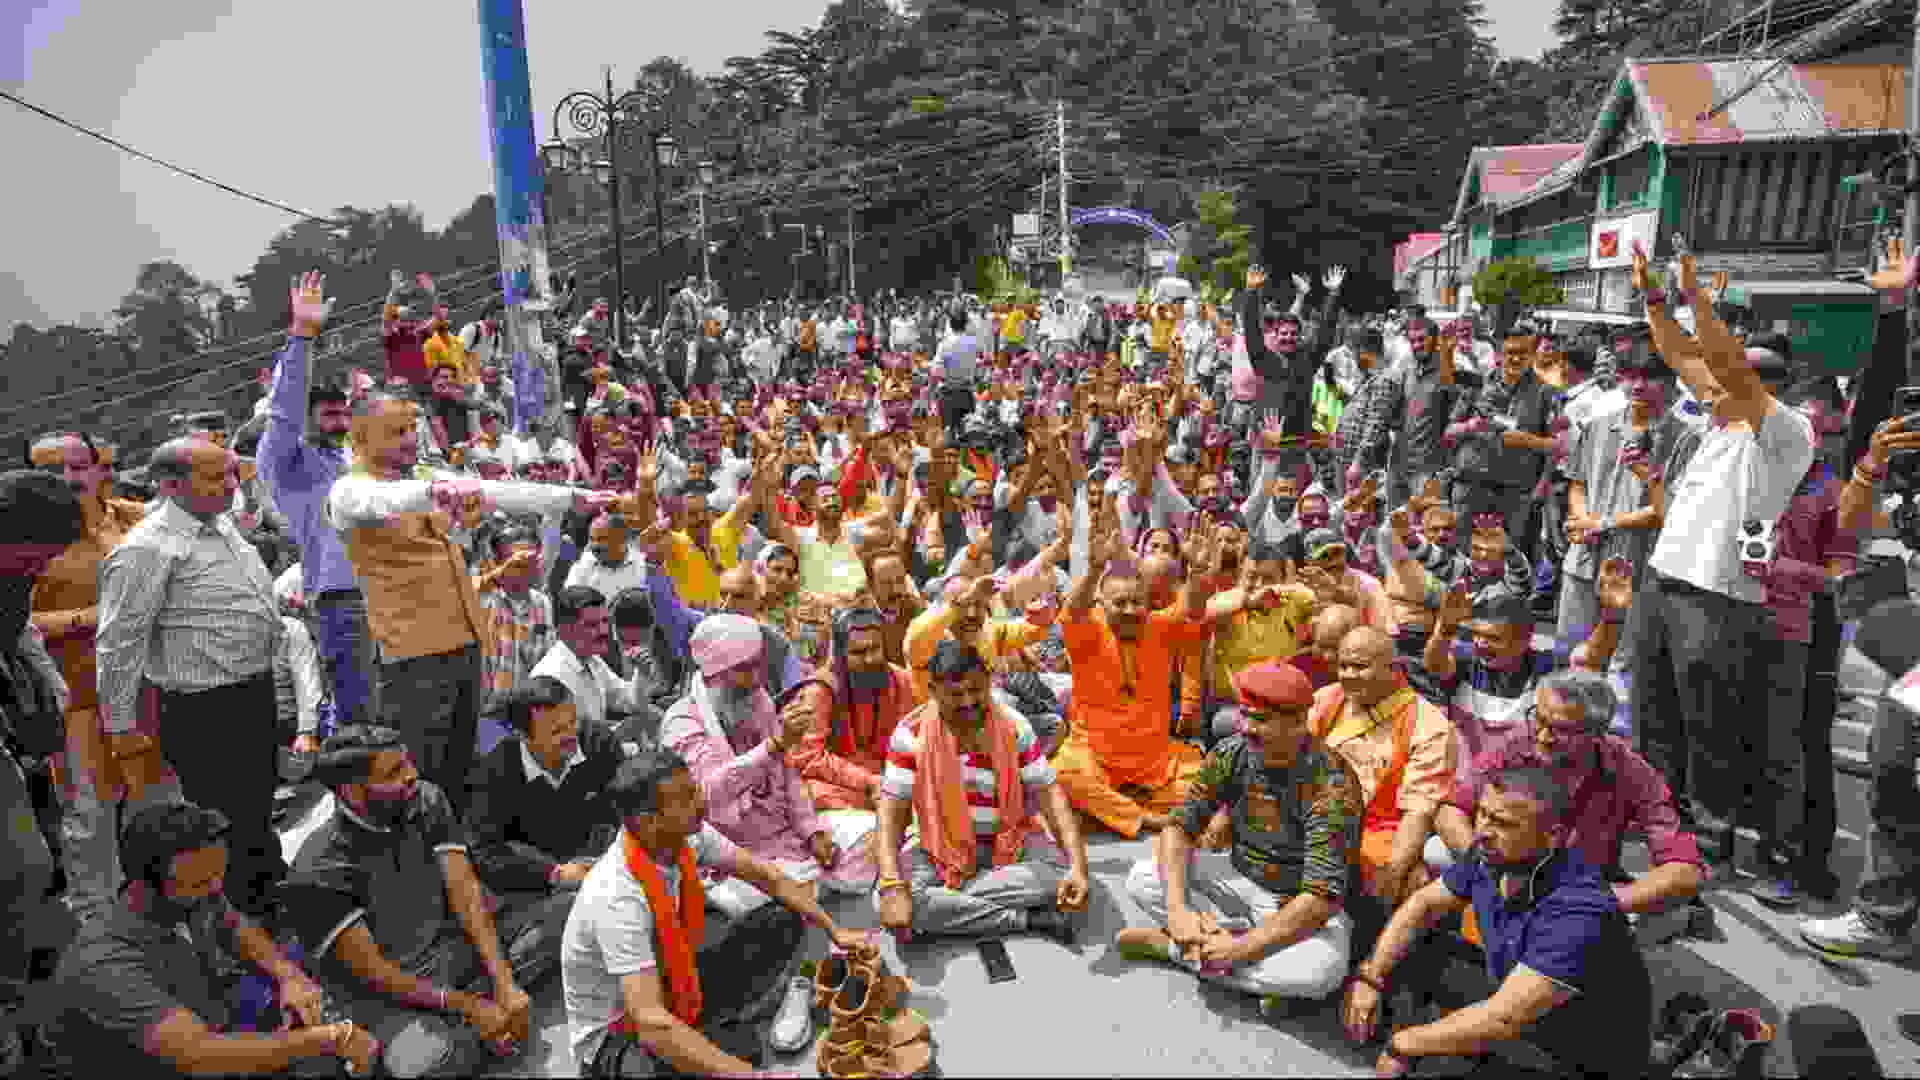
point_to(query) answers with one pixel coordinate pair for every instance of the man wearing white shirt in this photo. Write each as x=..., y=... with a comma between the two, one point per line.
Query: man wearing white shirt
x=1702, y=602
x=607, y=567
x=406, y=540
x=583, y=624
x=481, y=338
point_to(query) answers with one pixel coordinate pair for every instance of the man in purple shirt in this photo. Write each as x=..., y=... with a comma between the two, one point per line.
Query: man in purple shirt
x=1612, y=790
x=301, y=453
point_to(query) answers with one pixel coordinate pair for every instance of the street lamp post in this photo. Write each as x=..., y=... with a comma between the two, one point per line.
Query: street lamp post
x=706, y=253
x=601, y=115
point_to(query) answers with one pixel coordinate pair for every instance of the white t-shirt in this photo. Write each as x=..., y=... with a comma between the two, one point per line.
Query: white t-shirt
x=609, y=936
x=1735, y=476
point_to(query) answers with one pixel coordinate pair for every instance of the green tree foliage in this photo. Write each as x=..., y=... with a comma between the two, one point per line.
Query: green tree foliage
x=1507, y=286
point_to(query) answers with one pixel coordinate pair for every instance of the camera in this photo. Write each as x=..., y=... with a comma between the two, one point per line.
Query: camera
x=1756, y=542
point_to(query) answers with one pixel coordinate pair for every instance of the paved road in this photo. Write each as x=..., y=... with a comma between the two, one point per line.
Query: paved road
x=1087, y=1012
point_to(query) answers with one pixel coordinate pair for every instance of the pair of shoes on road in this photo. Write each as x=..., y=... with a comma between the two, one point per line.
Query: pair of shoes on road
x=1733, y=1043
x=1855, y=934
x=871, y=1032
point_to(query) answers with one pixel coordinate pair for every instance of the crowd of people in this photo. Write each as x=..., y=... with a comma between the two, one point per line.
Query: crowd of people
x=903, y=600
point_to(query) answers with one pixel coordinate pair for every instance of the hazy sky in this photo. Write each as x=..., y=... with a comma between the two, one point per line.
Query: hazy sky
x=316, y=105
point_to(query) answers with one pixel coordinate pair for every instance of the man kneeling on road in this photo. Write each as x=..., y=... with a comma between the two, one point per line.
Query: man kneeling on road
x=970, y=773
x=1611, y=790
x=1562, y=969
x=1296, y=817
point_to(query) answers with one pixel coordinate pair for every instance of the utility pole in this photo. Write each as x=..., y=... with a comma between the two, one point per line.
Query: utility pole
x=1066, y=232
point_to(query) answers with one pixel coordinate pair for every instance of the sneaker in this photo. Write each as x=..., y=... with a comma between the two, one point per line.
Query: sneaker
x=793, y=1024
x=1853, y=934
x=1685, y=1022
x=1736, y=1047
x=1775, y=889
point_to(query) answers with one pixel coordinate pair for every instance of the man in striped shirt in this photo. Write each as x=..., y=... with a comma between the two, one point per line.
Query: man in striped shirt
x=971, y=775
x=187, y=605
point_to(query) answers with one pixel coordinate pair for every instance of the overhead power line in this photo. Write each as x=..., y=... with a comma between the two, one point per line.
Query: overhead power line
x=144, y=156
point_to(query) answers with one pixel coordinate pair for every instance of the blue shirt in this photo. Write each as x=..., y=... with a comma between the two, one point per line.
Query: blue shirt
x=1566, y=925
x=300, y=474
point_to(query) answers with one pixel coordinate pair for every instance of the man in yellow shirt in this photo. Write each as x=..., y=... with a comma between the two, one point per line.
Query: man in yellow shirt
x=1262, y=618
x=695, y=554
x=443, y=349
x=962, y=614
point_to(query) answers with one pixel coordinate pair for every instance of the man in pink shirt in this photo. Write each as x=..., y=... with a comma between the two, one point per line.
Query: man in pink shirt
x=737, y=747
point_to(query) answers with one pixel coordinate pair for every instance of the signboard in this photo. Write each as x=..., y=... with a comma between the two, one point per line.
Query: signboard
x=1610, y=243
x=1026, y=224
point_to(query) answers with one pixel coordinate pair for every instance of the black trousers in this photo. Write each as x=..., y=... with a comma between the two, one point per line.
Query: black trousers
x=742, y=972
x=1691, y=695
x=1821, y=817
x=223, y=744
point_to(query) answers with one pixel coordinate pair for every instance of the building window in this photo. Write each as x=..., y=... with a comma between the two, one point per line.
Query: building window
x=1630, y=178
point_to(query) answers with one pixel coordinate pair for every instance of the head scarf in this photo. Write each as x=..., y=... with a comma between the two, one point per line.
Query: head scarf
x=724, y=642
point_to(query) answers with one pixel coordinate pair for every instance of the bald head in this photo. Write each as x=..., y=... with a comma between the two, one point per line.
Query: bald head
x=196, y=474
x=1365, y=666
x=1331, y=627
x=740, y=590
x=1367, y=640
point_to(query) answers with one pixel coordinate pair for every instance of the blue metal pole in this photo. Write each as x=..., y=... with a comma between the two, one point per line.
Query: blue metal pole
x=518, y=201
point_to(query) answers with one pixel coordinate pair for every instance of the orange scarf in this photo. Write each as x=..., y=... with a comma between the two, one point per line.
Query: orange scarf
x=940, y=796
x=676, y=933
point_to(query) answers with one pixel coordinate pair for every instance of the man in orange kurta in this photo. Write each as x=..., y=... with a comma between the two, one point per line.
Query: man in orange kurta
x=1120, y=764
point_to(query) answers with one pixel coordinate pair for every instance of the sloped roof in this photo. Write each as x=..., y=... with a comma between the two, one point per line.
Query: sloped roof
x=1508, y=172
x=1414, y=248
x=1793, y=101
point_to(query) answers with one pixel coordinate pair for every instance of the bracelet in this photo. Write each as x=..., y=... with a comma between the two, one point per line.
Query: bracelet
x=887, y=883
x=1359, y=976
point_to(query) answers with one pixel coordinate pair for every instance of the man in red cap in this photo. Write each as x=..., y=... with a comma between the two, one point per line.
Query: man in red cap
x=1295, y=813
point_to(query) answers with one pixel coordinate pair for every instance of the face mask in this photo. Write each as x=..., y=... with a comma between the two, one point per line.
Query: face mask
x=1360, y=522
x=1315, y=520
x=1487, y=568
x=388, y=803
x=1284, y=506
x=170, y=910
x=967, y=718
x=869, y=682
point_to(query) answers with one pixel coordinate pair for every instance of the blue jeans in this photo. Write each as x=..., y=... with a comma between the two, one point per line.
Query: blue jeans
x=346, y=650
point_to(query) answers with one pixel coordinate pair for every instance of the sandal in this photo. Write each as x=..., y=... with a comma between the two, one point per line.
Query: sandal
x=871, y=1061
x=889, y=990
x=902, y=1027
x=828, y=976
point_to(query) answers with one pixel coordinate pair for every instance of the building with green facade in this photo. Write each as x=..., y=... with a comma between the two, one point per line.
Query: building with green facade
x=1744, y=157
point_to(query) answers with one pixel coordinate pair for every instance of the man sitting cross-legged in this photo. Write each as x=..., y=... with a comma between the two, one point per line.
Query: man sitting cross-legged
x=739, y=749
x=1562, y=970
x=387, y=905
x=539, y=814
x=650, y=988
x=1276, y=927
x=1121, y=764
x=971, y=774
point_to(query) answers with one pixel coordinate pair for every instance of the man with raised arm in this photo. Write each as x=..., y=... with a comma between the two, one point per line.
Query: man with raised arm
x=1121, y=764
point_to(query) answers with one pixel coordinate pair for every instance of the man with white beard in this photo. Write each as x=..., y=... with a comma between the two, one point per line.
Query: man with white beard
x=738, y=749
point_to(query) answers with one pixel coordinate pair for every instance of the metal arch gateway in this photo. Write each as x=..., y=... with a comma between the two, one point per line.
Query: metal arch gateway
x=1120, y=215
